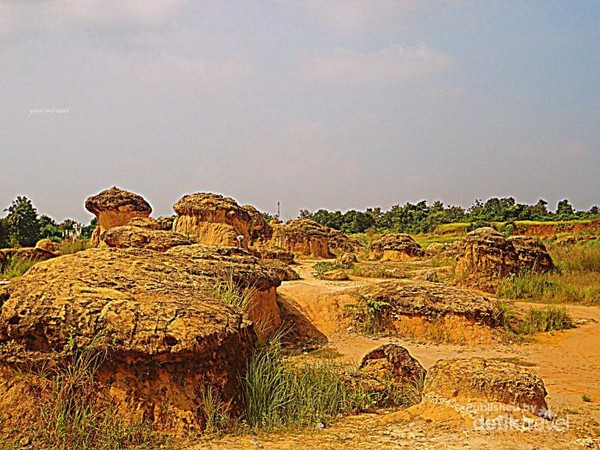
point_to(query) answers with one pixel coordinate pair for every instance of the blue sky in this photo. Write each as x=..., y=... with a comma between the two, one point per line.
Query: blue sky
x=314, y=103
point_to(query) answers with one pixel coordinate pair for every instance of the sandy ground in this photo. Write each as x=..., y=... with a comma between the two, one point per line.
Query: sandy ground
x=568, y=362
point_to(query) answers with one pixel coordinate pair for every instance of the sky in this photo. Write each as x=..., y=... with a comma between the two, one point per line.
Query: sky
x=337, y=104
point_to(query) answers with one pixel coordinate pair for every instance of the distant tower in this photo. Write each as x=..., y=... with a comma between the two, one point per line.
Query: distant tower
x=278, y=210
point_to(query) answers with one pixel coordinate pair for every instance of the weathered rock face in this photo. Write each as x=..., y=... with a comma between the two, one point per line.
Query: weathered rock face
x=304, y=237
x=115, y=207
x=48, y=245
x=244, y=270
x=169, y=337
x=484, y=381
x=532, y=254
x=28, y=253
x=260, y=230
x=165, y=223
x=273, y=253
x=434, y=300
x=152, y=239
x=307, y=239
x=487, y=257
x=347, y=260
x=393, y=363
x=144, y=222
x=212, y=219
x=396, y=247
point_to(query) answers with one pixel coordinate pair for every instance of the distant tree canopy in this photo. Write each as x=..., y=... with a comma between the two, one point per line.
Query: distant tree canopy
x=422, y=218
x=22, y=227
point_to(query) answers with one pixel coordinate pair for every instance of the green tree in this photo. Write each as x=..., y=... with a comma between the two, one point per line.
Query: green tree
x=23, y=222
x=4, y=235
x=564, y=209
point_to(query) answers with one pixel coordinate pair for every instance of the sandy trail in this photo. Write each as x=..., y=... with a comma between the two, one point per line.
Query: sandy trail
x=567, y=361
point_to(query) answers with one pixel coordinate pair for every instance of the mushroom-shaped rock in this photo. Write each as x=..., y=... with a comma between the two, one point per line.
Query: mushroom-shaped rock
x=115, y=207
x=393, y=363
x=483, y=381
x=486, y=257
x=170, y=338
x=213, y=220
x=235, y=265
x=396, y=247
x=129, y=236
x=307, y=238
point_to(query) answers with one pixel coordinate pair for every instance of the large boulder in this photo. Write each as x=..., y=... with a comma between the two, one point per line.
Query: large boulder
x=309, y=239
x=433, y=301
x=532, y=254
x=486, y=257
x=213, y=220
x=115, y=207
x=169, y=336
x=49, y=246
x=393, y=363
x=152, y=239
x=482, y=381
x=396, y=247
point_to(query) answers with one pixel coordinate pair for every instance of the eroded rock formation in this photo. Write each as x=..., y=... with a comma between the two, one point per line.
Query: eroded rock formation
x=169, y=337
x=486, y=257
x=213, y=220
x=152, y=239
x=396, y=247
x=115, y=207
x=393, y=363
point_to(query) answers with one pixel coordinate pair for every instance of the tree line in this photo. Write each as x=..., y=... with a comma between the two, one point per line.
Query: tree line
x=23, y=226
x=422, y=217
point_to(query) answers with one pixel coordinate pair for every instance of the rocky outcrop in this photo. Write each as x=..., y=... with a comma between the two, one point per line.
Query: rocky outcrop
x=134, y=236
x=393, y=363
x=144, y=222
x=49, y=246
x=487, y=257
x=433, y=301
x=396, y=247
x=213, y=220
x=346, y=261
x=169, y=337
x=309, y=239
x=273, y=253
x=165, y=223
x=115, y=207
x=483, y=381
x=532, y=254
x=260, y=230
x=28, y=254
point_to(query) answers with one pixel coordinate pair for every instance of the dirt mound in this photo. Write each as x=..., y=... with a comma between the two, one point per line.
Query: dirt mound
x=115, y=207
x=487, y=257
x=307, y=239
x=396, y=247
x=477, y=380
x=392, y=363
x=134, y=236
x=169, y=337
x=212, y=219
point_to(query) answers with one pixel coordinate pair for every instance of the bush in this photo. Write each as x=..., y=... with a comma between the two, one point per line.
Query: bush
x=549, y=318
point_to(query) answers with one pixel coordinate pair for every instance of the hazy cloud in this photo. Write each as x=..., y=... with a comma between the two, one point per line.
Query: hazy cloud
x=394, y=63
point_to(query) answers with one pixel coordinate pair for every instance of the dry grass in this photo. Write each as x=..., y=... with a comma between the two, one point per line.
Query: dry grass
x=575, y=280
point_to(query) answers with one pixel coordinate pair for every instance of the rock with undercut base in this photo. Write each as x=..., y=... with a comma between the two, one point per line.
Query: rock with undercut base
x=115, y=207
x=396, y=247
x=152, y=239
x=169, y=332
x=213, y=219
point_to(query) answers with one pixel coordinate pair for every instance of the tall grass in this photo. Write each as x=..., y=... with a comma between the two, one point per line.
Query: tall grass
x=228, y=292
x=77, y=417
x=16, y=267
x=536, y=320
x=280, y=394
x=70, y=247
x=575, y=280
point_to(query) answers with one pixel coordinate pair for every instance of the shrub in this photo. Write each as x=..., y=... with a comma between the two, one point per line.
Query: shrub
x=371, y=316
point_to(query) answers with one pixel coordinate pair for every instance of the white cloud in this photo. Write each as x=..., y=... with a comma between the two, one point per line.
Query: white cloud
x=395, y=63
x=59, y=14
x=362, y=15
x=224, y=71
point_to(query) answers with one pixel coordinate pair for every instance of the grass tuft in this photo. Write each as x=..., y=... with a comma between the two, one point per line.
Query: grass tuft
x=16, y=267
